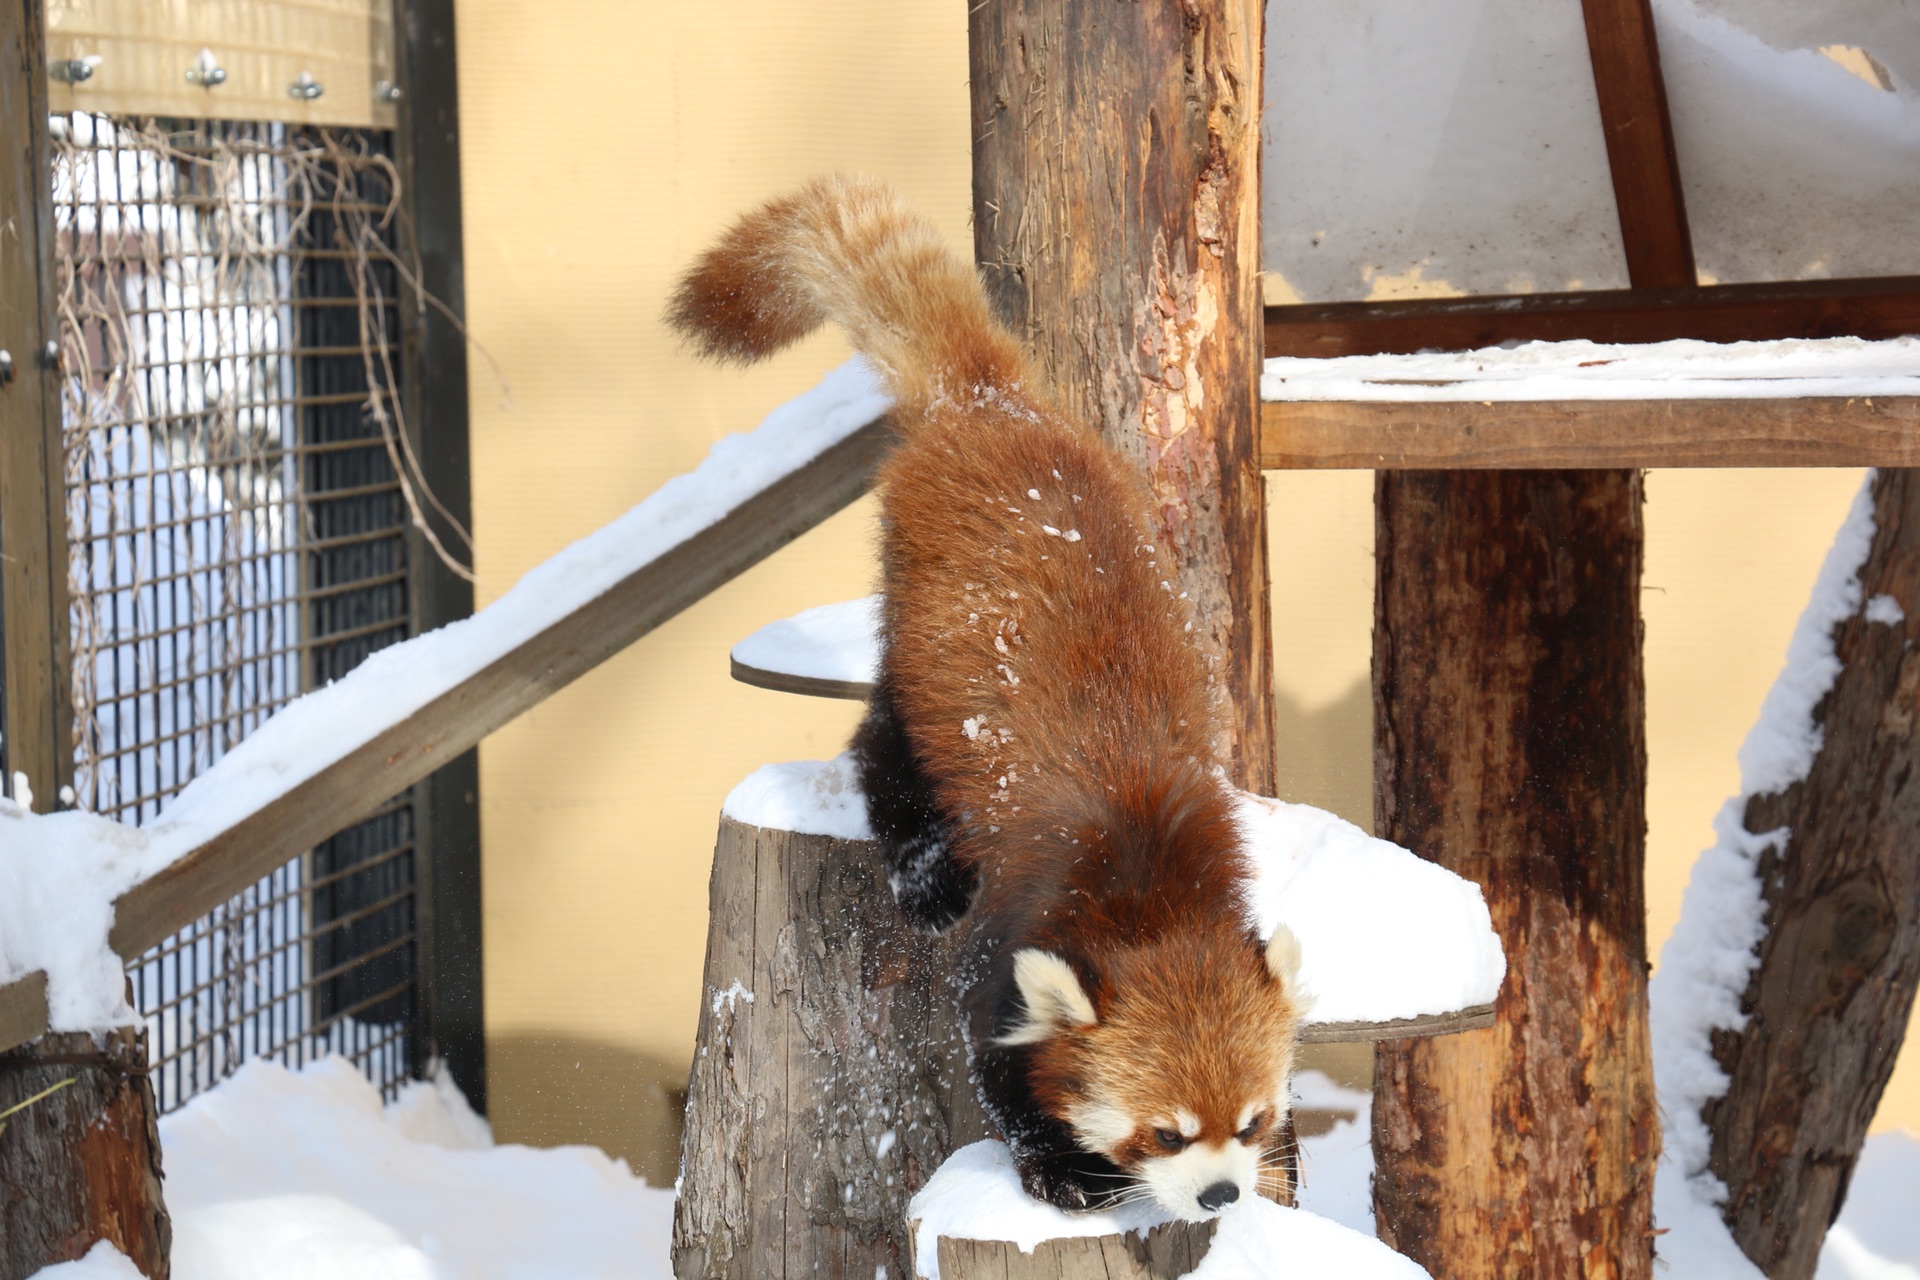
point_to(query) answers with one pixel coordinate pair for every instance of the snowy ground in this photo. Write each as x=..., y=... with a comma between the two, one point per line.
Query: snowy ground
x=278, y=1175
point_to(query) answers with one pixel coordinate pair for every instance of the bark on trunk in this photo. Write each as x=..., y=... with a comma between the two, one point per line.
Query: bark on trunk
x=1828, y=1003
x=1116, y=188
x=81, y=1163
x=830, y=1080
x=1509, y=748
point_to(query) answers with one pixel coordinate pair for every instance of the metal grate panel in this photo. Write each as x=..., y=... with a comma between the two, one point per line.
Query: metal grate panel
x=237, y=533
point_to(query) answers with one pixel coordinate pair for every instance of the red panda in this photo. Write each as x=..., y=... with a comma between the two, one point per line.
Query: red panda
x=1038, y=753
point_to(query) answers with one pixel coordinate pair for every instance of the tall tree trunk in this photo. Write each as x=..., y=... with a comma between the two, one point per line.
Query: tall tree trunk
x=81, y=1162
x=1510, y=748
x=1116, y=188
x=1828, y=1002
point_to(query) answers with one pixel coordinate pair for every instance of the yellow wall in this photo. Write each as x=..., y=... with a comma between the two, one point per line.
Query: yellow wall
x=605, y=141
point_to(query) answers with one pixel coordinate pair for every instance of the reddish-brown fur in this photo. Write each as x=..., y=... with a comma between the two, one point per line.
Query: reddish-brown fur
x=1039, y=664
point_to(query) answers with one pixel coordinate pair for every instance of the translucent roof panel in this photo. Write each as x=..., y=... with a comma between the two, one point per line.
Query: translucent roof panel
x=1430, y=148
x=1798, y=128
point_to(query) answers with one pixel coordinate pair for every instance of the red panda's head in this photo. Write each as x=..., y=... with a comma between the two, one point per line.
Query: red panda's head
x=1173, y=1061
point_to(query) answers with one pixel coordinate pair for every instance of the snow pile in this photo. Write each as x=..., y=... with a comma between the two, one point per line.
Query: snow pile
x=306, y=1177
x=1707, y=962
x=1580, y=370
x=828, y=642
x=976, y=1195
x=59, y=875
x=813, y=797
x=82, y=864
x=1383, y=934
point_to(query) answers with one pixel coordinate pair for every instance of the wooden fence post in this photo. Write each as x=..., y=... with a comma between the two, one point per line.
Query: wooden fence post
x=80, y=1161
x=1509, y=745
x=1831, y=994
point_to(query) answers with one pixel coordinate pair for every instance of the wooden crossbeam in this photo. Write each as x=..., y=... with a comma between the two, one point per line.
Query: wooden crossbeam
x=1640, y=150
x=1868, y=308
x=362, y=775
x=1506, y=435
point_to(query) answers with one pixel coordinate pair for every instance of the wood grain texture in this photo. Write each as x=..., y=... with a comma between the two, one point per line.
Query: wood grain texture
x=1164, y=1253
x=1116, y=195
x=81, y=1164
x=1640, y=153
x=829, y=1080
x=1509, y=747
x=1828, y=1003
x=1434, y=1024
x=362, y=775
x=35, y=682
x=1502, y=435
x=1865, y=308
x=806, y=686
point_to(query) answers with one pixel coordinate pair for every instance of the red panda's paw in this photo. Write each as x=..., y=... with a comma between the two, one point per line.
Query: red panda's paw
x=1074, y=1180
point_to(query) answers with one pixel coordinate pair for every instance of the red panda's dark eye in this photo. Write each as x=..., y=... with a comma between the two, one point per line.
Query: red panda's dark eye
x=1253, y=1127
x=1170, y=1139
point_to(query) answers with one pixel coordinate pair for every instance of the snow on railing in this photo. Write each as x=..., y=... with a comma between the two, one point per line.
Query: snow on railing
x=79, y=894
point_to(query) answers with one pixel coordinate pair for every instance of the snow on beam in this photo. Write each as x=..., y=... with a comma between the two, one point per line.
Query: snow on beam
x=337, y=753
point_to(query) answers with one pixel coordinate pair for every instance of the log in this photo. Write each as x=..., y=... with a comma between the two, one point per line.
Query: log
x=1829, y=999
x=1116, y=167
x=80, y=1162
x=1509, y=747
x=1163, y=1253
x=830, y=1080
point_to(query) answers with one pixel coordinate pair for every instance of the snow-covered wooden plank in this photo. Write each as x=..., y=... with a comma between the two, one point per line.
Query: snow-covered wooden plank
x=828, y=651
x=1513, y=435
x=107, y=892
x=360, y=775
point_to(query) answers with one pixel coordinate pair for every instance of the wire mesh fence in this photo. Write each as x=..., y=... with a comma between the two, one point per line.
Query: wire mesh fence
x=237, y=533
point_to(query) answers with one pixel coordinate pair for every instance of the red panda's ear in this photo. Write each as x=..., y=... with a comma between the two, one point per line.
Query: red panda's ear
x=1055, y=1001
x=1283, y=957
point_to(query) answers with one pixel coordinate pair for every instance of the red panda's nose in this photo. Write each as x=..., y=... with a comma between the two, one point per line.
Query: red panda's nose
x=1219, y=1196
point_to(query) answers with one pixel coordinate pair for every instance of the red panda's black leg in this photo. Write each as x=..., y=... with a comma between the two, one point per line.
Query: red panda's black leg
x=930, y=884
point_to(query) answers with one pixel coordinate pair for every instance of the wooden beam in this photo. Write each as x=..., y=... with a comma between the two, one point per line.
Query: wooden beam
x=1640, y=152
x=1509, y=435
x=362, y=775
x=35, y=680
x=1867, y=308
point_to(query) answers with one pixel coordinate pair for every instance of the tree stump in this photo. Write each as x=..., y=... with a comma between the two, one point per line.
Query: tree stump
x=1509, y=748
x=1829, y=998
x=80, y=1163
x=830, y=1079
x=1164, y=1253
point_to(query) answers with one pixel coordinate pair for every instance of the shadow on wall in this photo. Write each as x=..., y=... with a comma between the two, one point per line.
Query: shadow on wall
x=574, y=1091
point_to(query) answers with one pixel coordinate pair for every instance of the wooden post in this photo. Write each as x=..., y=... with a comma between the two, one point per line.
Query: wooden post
x=830, y=1080
x=1829, y=1000
x=1509, y=743
x=36, y=740
x=80, y=1162
x=1164, y=1253
x=1116, y=191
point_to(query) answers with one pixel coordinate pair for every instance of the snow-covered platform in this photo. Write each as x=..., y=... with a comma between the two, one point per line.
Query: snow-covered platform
x=1391, y=945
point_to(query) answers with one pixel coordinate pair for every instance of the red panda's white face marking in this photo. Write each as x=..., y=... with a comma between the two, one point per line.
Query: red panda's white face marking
x=1177, y=1067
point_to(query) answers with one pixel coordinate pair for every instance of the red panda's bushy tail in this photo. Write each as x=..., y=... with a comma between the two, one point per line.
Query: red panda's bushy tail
x=850, y=251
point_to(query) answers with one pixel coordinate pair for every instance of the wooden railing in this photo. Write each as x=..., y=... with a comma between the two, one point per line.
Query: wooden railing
x=362, y=774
